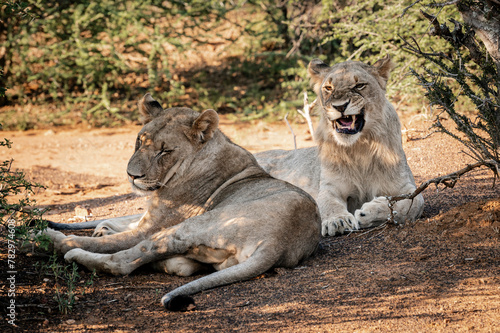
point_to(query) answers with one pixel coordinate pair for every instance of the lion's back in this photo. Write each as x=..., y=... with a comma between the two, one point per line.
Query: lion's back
x=300, y=167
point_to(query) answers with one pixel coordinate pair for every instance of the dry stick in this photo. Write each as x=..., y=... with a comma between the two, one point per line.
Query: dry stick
x=307, y=112
x=448, y=181
x=291, y=130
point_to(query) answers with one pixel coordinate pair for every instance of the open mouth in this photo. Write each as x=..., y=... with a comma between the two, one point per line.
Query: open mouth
x=349, y=124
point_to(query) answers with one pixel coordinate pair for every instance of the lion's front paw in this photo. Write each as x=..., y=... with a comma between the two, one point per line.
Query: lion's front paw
x=339, y=224
x=72, y=255
x=373, y=213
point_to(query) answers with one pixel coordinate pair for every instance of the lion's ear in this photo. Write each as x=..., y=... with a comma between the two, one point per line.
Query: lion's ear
x=384, y=67
x=316, y=71
x=149, y=108
x=204, y=126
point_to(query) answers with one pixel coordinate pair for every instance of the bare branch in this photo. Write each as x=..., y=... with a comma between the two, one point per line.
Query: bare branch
x=448, y=180
x=444, y=4
x=306, y=113
x=291, y=130
x=407, y=8
x=410, y=138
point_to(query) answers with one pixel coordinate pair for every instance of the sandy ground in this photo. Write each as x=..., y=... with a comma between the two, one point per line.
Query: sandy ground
x=440, y=273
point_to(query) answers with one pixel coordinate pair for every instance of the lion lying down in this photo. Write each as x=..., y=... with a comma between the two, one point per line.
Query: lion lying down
x=211, y=205
x=359, y=160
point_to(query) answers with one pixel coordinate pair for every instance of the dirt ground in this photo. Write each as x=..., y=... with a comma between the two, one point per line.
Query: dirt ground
x=439, y=274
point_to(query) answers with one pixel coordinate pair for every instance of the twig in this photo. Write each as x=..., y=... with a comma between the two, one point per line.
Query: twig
x=443, y=4
x=409, y=138
x=448, y=180
x=306, y=113
x=407, y=8
x=291, y=129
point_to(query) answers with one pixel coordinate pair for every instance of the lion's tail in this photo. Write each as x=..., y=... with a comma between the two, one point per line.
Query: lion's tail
x=179, y=300
x=92, y=224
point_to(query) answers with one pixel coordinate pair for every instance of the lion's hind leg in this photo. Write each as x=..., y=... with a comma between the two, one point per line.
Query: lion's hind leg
x=118, y=224
x=180, y=266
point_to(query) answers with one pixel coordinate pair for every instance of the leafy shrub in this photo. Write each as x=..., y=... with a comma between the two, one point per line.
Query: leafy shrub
x=19, y=212
x=468, y=74
x=93, y=59
x=91, y=56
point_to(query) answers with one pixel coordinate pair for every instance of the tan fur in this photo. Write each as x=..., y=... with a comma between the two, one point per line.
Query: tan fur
x=350, y=175
x=211, y=205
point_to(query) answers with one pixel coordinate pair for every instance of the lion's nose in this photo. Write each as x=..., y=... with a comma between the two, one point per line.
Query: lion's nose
x=341, y=108
x=134, y=177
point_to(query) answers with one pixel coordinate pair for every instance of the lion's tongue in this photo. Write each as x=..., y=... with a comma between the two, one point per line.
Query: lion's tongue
x=348, y=122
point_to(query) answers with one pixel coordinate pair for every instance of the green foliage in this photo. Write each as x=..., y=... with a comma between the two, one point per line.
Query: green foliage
x=365, y=31
x=93, y=60
x=27, y=219
x=337, y=31
x=90, y=56
x=66, y=280
x=467, y=75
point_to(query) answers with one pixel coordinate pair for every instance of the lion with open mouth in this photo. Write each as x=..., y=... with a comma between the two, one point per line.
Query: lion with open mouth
x=359, y=161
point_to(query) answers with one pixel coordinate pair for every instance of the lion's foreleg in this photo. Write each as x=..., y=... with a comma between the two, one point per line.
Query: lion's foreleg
x=378, y=211
x=120, y=263
x=335, y=218
x=107, y=244
x=158, y=247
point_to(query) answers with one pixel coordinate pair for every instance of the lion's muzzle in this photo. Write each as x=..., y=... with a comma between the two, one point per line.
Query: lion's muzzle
x=351, y=124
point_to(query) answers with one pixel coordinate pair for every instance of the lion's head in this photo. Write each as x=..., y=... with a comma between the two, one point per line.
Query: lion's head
x=167, y=143
x=351, y=96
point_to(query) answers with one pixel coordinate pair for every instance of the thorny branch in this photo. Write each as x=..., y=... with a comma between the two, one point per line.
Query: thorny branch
x=448, y=180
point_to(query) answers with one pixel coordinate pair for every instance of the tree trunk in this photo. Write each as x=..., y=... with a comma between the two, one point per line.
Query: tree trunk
x=486, y=23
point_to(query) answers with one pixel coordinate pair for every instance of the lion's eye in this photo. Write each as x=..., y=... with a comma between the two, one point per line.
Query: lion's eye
x=328, y=88
x=360, y=86
x=164, y=151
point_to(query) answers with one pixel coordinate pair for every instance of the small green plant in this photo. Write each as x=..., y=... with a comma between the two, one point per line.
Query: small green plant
x=65, y=291
x=25, y=223
x=20, y=211
x=66, y=280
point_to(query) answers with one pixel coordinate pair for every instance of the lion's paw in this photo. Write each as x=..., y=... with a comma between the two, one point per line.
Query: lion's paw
x=373, y=213
x=339, y=224
x=72, y=255
x=101, y=231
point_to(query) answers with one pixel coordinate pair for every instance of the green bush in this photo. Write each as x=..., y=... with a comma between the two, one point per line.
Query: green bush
x=466, y=75
x=18, y=214
x=92, y=60
x=92, y=56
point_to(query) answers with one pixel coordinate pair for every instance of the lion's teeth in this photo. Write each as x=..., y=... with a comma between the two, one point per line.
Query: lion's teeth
x=353, y=122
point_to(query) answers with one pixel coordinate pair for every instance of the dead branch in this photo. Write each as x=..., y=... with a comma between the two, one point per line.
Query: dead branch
x=291, y=130
x=455, y=36
x=410, y=138
x=448, y=180
x=306, y=113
